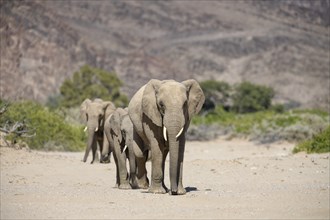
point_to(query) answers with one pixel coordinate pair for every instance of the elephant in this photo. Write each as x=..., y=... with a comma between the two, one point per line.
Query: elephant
x=161, y=112
x=94, y=114
x=119, y=132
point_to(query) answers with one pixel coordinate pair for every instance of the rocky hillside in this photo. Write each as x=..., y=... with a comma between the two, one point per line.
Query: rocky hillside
x=283, y=44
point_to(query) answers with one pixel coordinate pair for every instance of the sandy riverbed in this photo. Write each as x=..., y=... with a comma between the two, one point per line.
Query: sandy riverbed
x=224, y=179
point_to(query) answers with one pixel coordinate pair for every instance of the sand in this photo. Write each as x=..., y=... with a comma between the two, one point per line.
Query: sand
x=224, y=179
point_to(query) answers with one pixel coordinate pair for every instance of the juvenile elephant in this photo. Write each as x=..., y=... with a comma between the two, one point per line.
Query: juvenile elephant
x=94, y=114
x=119, y=132
x=161, y=112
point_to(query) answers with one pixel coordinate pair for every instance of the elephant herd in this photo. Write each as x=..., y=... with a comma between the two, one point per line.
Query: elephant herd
x=153, y=125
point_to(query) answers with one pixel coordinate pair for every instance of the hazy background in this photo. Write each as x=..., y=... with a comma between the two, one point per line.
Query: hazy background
x=282, y=44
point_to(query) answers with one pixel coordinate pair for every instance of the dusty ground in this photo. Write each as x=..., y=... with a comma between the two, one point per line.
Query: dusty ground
x=224, y=179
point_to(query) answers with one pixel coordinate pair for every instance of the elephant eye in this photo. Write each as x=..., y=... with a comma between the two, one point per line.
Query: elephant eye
x=185, y=103
x=162, y=107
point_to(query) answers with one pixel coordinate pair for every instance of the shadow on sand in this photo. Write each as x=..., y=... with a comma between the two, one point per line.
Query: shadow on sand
x=191, y=189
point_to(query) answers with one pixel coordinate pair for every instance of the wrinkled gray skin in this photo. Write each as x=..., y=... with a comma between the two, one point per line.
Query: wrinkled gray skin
x=119, y=132
x=94, y=114
x=157, y=105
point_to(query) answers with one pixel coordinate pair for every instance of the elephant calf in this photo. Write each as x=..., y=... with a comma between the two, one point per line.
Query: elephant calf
x=119, y=132
x=94, y=114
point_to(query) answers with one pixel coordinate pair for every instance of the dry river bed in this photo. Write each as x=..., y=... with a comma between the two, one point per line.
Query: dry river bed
x=224, y=180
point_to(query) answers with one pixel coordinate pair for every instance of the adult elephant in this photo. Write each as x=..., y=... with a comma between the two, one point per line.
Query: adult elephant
x=119, y=132
x=94, y=114
x=161, y=112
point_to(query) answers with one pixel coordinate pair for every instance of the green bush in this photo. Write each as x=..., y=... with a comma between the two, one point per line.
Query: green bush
x=90, y=83
x=265, y=126
x=278, y=108
x=320, y=143
x=249, y=97
x=52, y=132
x=216, y=93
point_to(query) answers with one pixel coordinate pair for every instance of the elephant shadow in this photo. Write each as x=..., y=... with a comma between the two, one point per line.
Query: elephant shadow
x=191, y=189
x=188, y=189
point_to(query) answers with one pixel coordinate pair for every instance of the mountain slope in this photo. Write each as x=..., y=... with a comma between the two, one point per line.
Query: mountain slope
x=283, y=44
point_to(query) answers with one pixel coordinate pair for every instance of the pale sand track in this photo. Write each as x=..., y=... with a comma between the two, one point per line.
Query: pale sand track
x=225, y=179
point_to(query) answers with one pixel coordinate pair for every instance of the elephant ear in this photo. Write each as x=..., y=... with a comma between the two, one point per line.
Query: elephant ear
x=149, y=102
x=108, y=108
x=83, y=109
x=115, y=124
x=122, y=112
x=196, y=97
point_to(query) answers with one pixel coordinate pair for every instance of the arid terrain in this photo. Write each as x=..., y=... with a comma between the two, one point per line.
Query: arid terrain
x=224, y=179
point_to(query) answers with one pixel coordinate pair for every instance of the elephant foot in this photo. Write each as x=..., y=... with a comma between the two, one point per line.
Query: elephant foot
x=134, y=184
x=142, y=183
x=105, y=159
x=181, y=191
x=125, y=186
x=157, y=189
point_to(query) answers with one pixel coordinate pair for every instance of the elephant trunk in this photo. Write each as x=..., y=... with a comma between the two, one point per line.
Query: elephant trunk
x=91, y=140
x=173, y=131
x=174, y=164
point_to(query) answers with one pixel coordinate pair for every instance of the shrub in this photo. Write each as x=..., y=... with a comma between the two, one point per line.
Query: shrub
x=52, y=132
x=90, y=83
x=264, y=126
x=249, y=97
x=319, y=143
x=278, y=108
x=216, y=93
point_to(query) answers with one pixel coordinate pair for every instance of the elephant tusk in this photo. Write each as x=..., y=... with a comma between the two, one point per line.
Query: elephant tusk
x=179, y=133
x=85, y=129
x=96, y=129
x=125, y=148
x=164, y=133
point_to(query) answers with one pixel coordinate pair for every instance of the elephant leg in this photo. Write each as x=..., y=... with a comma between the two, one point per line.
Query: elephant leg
x=181, y=190
x=163, y=166
x=141, y=158
x=117, y=170
x=98, y=156
x=157, y=174
x=121, y=167
x=105, y=151
x=132, y=166
x=94, y=151
x=141, y=175
x=88, y=149
x=90, y=143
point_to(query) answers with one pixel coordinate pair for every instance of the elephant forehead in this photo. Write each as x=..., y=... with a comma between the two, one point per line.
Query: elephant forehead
x=172, y=87
x=95, y=108
x=172, y=95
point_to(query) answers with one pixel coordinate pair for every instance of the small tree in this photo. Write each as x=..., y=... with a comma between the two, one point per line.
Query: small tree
x=91, y=83
x=249, y=97
x=216, y=93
